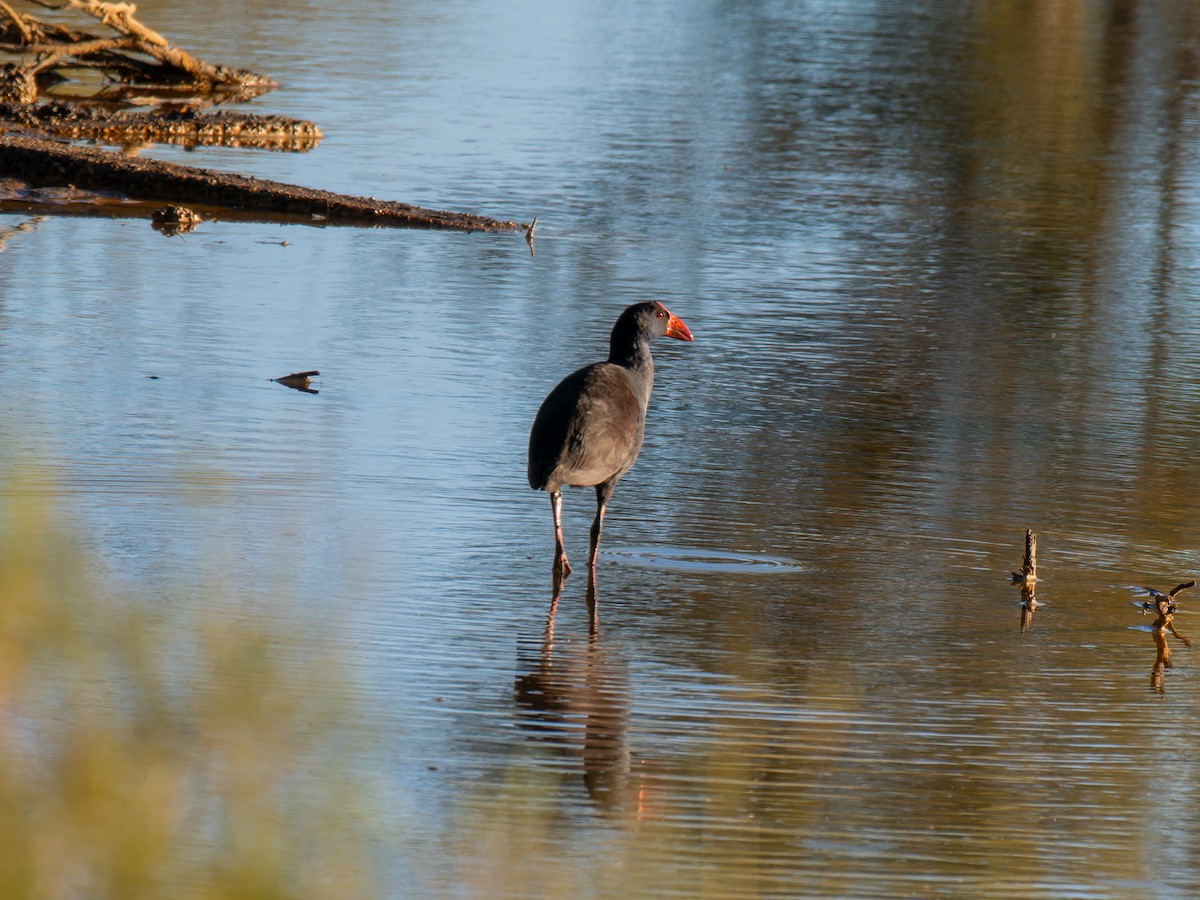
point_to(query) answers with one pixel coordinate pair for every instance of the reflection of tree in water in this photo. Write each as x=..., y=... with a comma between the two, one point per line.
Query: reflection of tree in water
x=575, y=694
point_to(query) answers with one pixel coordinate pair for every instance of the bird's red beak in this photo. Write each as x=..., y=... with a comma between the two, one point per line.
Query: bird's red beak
x=677, y=330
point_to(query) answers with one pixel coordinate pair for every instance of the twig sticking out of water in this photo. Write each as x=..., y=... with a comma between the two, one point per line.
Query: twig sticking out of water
x=1028, y=573
x=529, y=235
x=1163, y=604
x=1027, y=579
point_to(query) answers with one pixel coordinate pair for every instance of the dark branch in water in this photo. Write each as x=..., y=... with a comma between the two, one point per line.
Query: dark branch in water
x=42, y=162
x=299, y=381
x=1180, y=587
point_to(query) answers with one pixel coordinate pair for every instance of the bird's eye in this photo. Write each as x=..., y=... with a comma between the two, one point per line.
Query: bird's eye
x=661, y=314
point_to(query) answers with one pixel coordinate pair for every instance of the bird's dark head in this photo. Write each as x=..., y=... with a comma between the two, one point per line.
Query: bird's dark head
x=652, y=319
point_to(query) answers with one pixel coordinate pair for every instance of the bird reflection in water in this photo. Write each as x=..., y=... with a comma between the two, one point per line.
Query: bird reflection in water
x=1164, y=607
x=575, y=694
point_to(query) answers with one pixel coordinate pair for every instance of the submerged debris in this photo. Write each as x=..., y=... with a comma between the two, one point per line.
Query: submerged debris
x=299, y=381
x=150, y=90
x=173, y=220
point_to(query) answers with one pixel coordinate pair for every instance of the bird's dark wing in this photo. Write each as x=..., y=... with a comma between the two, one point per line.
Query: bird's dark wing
x=551, y=429
x=1181, y=587
x=588, y=430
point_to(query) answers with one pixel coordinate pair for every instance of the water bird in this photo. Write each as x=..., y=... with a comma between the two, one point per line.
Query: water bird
x=589, y=429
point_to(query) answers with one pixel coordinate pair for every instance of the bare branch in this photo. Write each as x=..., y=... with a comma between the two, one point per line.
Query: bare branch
x=18, y=20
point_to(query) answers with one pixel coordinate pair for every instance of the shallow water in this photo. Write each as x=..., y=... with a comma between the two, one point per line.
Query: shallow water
x=940, y=262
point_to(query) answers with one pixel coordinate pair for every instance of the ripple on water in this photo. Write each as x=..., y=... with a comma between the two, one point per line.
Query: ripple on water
x=688, y=559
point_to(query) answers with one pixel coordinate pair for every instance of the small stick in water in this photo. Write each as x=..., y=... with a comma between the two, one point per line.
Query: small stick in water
x=1027, y=579
x=529, y=235
x=1028, y=573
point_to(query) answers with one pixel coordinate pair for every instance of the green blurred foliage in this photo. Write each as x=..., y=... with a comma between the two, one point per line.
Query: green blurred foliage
x=158, y=750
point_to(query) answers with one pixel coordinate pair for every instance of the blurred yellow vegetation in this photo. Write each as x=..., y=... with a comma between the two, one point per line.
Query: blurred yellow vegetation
x=154, y=749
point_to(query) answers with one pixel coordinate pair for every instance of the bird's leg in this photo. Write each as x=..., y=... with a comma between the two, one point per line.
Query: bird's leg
x=603, y=492
x=562, y=568
x=593, y=604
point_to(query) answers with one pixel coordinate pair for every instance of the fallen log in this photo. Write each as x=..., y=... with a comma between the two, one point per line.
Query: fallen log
x=186, y=127
x=41, y=162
